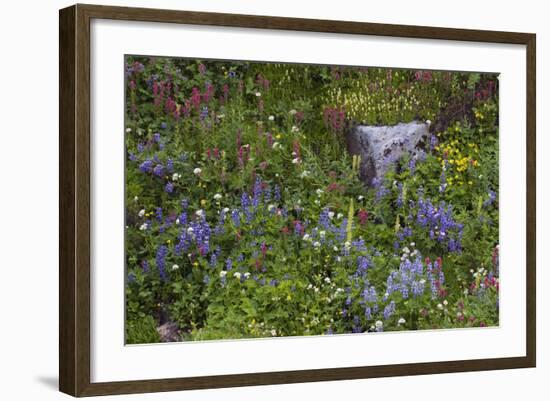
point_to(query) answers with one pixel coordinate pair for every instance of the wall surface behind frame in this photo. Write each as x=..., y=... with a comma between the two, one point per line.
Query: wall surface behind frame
x=28, y=205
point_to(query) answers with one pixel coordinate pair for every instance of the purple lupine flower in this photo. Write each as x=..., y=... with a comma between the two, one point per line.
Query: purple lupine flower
x=235, y=217
x=220, y=227
x=368, y=313
x=257, y=193
x=381, y=190
x=214, y=256
x=169, y=188
x=362, y=266
x=204, y=113
x=324, y=220
x=412, y=165
x=359, y=245
x=163, y=125
x=492, y=197
x=267, y=194
x=158, y=170
x=146, y=166
x=162, y=252
x=156, y=137
x=228, y=264
x=245, y=205
x=140, y=147
x=277, y=193
x=145, y=266
x=201, y=233
x=132, y=157
x=400, y=194
x=170, y=165
x=158, y=214
x=389, y=310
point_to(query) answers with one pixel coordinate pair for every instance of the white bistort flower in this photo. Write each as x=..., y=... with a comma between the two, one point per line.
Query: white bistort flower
x=258, y=94
x=199, y=213
x=246, y=275
x=237, y=275
x=223, y=273
x=271, y=118
x=316, y=244
x=197, y=171
x=175, y=267
x=379, y=324
x=176, y=176
x=141, y=213
x=217, y=197
x=330, y=215
x=295, y=160
x=401, y=321
x=143, y=227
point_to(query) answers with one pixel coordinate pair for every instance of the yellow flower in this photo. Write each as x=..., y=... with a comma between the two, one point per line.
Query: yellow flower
x=203, y=202
x=196, y=264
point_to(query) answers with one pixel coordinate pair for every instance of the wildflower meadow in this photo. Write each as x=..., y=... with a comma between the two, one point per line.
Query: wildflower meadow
x=247, y=215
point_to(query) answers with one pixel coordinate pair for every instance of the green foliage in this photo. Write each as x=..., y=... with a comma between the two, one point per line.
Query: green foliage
x=213, y=248
x=141, y=331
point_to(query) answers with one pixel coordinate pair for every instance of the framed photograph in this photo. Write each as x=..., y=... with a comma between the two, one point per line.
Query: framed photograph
x=249, y=200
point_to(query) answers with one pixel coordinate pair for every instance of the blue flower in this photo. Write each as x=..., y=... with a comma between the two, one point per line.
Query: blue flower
x=162, y=252
x=146, y=166
x=389, y=310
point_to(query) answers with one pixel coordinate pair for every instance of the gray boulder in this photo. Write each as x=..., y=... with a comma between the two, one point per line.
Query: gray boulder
x=169, y=332
x=380, y=146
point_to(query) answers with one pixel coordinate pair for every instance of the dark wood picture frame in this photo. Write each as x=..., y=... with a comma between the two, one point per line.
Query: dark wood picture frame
x=74, y=199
